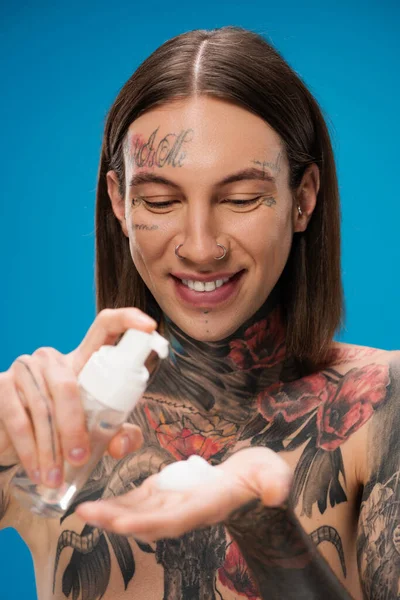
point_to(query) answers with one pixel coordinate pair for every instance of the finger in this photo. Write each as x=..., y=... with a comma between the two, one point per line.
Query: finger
x=274, y=484
x=167, y=514
x=131, y=500
x=105, y=330
x=6, y=446
x=127, y=440
x=70, y=418
x=163, y=522
x=31, y=383
x=261, y=471
x=17, y=430
x=138, y=500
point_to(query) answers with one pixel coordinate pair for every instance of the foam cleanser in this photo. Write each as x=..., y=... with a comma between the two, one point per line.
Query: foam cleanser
x=111, y=383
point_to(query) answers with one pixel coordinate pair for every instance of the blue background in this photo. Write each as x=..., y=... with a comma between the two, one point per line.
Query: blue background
x=61, y=65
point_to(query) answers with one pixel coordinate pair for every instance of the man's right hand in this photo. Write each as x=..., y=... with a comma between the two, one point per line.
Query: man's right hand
x=42, y=421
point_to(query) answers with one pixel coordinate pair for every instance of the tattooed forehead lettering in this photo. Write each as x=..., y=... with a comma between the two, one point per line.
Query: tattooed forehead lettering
x=156, y=151
x=267, y=166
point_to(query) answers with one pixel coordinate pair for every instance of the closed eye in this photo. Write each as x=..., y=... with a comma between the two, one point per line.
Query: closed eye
x=164, y=205
x=243, y=204
x=242, y=201
x=161, y=206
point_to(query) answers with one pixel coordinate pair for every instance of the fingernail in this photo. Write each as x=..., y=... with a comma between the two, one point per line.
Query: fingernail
x=54, y=476
x=125, y=444
x=35, y=476
x=77, y=453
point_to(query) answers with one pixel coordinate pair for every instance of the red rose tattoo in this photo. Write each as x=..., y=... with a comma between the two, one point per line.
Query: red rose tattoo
x=296, y=399
x=263, y=345
x=357, y=396
x=235, y=575
x=341, y=407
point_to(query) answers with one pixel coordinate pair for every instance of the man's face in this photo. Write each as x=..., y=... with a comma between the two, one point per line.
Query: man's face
x=202, y=172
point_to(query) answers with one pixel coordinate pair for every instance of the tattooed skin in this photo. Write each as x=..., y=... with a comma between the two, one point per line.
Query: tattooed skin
x=272, y=542
x=269, y=202
x=274, y=166
x=378, y=543
x=270, y=404
x=168, y=151
x=243, y=391
x=143, y=227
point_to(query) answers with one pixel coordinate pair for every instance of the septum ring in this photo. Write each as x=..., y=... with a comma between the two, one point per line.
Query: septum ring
x=224, y=252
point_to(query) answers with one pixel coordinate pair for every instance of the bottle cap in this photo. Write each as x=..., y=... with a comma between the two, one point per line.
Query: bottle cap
x=116, y=375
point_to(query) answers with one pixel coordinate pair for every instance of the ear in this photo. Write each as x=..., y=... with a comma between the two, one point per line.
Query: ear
x=117, y=201
x=305, y=198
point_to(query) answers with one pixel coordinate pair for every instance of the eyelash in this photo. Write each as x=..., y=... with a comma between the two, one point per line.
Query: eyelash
x=169, y=203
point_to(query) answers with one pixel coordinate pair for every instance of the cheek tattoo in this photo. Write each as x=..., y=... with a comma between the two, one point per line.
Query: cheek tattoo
x=269, y=202
x=143, y=227
x=169, y=151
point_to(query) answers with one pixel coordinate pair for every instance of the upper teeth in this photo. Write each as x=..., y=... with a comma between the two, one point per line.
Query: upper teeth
x=204, y=286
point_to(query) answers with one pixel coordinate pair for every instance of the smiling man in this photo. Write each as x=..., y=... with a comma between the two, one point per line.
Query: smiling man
x=224, y=207
x=218, y=216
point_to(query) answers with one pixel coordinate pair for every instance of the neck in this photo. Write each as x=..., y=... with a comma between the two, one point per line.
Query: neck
x=228, y=372
x=258, y=344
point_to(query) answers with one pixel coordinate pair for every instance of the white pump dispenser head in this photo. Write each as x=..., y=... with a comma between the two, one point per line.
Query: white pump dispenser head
x=116, y=375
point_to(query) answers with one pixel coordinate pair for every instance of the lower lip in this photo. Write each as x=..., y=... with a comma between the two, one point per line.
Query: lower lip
x=204, y=299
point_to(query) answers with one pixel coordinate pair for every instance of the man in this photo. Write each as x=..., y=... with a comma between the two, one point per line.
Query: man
x=222, y=224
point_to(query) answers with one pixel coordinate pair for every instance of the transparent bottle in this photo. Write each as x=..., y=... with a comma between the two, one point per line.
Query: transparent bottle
x=111, y=383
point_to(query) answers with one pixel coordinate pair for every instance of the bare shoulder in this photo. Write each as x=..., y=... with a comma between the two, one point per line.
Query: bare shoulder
x=369, y=379
x=347, y=356
x=367, y=398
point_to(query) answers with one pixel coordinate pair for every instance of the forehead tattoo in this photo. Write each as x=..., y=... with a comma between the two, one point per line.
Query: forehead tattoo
x=170, y=150
x=268, y=165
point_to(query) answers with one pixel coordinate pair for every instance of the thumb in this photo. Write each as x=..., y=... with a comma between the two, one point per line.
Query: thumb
x=262, y=471
x=274, y=483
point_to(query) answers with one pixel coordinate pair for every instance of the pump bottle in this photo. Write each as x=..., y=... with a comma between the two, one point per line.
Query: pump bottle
x=111, y=383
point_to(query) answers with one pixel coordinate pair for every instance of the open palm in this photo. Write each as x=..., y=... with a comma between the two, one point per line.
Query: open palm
x=150, y=513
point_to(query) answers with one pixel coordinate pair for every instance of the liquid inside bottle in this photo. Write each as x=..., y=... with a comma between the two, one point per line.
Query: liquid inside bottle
x=103, y=423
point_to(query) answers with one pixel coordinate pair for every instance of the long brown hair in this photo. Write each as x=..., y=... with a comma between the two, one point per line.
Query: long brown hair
x=241, y=67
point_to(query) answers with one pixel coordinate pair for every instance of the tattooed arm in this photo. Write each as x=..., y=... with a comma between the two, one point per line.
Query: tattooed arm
x=283, y=560
x=378, y=543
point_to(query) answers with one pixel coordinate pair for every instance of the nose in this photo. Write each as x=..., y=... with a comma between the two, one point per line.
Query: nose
x=201, y=241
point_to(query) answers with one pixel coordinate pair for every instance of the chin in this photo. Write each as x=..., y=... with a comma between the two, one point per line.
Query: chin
x=213, y=331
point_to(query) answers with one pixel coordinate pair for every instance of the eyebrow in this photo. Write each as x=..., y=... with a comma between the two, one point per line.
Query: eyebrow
x=243, y=175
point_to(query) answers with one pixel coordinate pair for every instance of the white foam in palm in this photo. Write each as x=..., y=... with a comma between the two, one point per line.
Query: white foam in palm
x=184, y=474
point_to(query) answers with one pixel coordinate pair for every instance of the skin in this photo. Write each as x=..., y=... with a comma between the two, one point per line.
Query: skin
x=43, y=421
x=247, y=409
x=258, y=239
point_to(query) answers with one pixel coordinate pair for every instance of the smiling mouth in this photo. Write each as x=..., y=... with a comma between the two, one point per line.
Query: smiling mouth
x=207, y=286
x=204, y=286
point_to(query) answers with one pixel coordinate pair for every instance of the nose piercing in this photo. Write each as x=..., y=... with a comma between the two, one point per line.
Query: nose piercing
x=224, y=251
x=177, y=251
